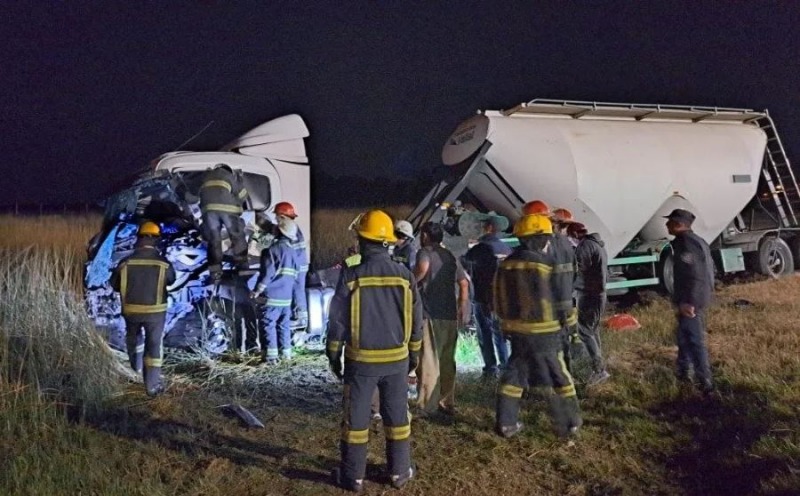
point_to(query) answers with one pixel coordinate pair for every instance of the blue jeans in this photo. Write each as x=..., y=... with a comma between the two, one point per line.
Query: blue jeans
x=490, y=338
x=692, y=352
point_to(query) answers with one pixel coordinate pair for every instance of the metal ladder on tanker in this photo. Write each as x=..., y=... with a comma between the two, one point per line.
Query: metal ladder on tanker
x=779, y=176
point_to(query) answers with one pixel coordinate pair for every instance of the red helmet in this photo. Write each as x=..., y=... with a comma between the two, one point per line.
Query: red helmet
x=535, y=207
x=285, y=208
x=562, y=215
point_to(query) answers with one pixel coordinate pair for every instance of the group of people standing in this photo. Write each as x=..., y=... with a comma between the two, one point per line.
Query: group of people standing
x=391, y=317
x=142, y=278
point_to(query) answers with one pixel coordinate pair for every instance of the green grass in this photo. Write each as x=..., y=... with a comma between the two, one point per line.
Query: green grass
x=69, y=424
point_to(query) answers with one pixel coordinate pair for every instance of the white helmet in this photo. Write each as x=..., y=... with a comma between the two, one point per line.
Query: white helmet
x=404, y=227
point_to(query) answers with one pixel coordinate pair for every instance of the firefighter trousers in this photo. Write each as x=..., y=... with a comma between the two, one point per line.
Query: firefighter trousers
x=275, y=334
x=358, y=391
x=144, y=340
x=531, y=367
x=213, y=222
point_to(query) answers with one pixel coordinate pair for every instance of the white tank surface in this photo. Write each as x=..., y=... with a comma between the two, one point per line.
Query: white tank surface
x=619, y=171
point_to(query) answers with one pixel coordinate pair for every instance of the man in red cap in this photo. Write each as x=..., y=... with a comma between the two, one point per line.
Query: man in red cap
x=299, y=300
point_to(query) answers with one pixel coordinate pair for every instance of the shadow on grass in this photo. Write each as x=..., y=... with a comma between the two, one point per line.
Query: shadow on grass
x=188, y=439
x=724, y=430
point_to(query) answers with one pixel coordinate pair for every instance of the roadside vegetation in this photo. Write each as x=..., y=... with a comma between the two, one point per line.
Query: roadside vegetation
x=71, y=423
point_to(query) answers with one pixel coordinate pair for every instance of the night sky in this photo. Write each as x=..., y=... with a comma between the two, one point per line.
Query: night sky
x=92, y=91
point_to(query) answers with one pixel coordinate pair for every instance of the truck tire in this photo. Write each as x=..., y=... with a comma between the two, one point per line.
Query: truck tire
x=774, y=258
x=666, y=271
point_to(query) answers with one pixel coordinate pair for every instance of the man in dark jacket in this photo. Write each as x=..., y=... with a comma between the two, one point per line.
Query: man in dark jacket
x=693, y=288
x=376, y=322
x=590, y=289
x=481, y=262
x=221, y=197
x=142, y=281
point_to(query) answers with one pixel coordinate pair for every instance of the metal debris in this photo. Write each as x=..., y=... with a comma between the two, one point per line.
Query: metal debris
x=244, y=414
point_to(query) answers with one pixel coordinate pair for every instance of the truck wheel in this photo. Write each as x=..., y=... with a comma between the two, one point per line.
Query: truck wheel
x=774, y=258
x=667, y=272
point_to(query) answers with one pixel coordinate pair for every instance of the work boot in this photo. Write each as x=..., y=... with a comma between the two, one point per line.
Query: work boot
x=598, y=377
x=155, y=391
x=355, y=486
x=398, y=481
x=508, y=431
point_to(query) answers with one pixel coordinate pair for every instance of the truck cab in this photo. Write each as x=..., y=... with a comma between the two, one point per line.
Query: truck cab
x=272, y=162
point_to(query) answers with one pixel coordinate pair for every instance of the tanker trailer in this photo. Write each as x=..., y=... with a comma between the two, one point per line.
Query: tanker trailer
x=619, y=168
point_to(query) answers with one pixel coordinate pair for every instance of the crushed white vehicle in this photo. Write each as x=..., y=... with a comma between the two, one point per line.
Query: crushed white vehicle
x=272, y=161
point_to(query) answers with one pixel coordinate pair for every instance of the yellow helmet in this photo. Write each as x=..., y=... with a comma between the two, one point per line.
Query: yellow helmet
x=376, y=225
x=529, y=225
x=149, y=229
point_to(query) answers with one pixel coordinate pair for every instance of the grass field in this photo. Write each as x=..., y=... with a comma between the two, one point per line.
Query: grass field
x=69, y=423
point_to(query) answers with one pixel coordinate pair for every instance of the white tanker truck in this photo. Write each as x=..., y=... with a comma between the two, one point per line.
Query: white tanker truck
x=619, y=168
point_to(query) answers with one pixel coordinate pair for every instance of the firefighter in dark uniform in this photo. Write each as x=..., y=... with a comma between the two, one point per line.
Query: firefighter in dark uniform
x=564, y=281
x=142, y=281
x=693, y=288
x=524, y=302
x=221, y=197
x=276, y=278
x=376, y=322
x=564, y=275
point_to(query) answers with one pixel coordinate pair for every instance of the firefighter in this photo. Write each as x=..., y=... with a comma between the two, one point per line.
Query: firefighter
x=693, y=289
x=299, y=300
x=590, y=291
x=277, y=273
x=376, y=322
x=404, y=251
x=142, y=281
x=524, y=302
x=563, y=280
x=221, y=196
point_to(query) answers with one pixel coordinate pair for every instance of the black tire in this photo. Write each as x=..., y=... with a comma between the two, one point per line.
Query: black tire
x=666, y=271
x=774, y=258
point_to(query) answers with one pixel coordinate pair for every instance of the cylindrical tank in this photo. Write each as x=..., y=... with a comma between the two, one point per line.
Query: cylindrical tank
x=620, y=176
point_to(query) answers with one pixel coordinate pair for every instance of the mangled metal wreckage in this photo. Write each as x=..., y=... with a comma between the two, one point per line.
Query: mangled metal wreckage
x=202, y=315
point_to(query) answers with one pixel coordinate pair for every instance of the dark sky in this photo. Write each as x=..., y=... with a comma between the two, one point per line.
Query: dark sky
x=93, y=91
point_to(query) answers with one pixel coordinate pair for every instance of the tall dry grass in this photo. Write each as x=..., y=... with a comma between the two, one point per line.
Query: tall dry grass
x=48, y=345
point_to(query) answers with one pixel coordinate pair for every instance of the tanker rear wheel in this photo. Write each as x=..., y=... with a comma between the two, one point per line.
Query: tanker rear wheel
x=774, y=258
x=666, y=272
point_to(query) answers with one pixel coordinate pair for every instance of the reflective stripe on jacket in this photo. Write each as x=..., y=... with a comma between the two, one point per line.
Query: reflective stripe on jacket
x=222, y=191
x=277, y=273
x=563, y=279
x=375, y=315
x=142, y=281
x=301, y=252
x=523, y=295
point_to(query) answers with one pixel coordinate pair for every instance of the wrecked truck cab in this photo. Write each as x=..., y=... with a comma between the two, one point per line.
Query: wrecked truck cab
x=200, y=315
